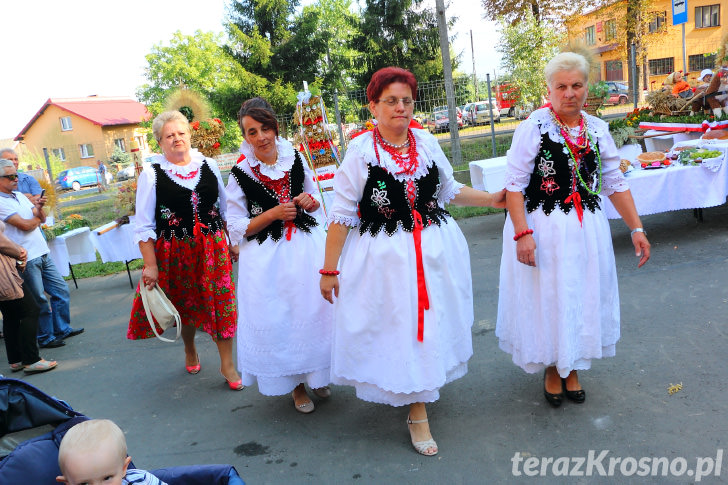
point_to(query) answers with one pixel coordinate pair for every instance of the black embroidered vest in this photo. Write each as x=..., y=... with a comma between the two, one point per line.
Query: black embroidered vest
x=551, y=180
x=261, y=198
x=175, y=211
x=384, y=202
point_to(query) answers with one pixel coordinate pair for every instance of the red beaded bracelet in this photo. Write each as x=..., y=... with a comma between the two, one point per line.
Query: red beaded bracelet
x=521, y=234
x=328, y=273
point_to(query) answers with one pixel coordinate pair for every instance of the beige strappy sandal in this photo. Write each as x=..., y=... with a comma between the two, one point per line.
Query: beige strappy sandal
x=422, y=446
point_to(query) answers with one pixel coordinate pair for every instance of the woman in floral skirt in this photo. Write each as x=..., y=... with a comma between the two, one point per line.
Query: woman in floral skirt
x=180, y=228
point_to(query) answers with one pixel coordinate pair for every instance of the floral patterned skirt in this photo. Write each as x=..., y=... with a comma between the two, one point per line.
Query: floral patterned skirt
x=196, y=275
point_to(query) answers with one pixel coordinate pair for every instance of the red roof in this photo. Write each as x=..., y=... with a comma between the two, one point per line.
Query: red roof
x=103, y=111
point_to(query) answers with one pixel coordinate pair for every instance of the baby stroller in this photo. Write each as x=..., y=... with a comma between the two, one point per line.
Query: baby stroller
x=32, y=425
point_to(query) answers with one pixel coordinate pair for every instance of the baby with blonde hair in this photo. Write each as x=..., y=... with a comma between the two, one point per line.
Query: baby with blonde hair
x=94, y=453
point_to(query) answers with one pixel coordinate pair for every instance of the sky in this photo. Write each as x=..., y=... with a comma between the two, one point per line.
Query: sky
x=79, y=48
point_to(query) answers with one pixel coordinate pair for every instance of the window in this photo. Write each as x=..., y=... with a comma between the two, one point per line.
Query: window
x=142, y=140
x=707, y=16
x=66, y=123
x=699, y=62
x=662, y=66
x=59, y=153
x=613, y=70
x=119, y=142
x=589, y=36
x=87, y=150
x=657, y=22
x=610, y=29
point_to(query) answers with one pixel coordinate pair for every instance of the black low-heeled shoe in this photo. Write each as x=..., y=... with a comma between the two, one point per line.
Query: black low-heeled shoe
x=554, y=399
x=576, y=396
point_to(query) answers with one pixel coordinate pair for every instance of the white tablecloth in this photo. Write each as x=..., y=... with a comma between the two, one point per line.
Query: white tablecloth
x=667, y=189
x=489, y=174
x=665, y=142
x=676, y=187
x=73, y=247
x=116, y=244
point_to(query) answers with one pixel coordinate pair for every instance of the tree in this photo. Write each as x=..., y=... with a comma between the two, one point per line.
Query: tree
x=636, y=26
x=257, y=29
x=399, y=33
x=554, y=10
x=336, y=27
x=526, y=47
x=201, y=63
x=119, y=157
x=633, y=19
x=269, y=19
x=197, y=62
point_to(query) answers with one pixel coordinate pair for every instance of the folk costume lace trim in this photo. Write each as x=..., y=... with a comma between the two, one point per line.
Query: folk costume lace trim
x=182, y=175
x=264, y=193
x=286, y=157
x=365, y=145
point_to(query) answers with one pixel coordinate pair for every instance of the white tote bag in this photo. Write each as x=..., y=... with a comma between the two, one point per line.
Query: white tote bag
x=157, y=305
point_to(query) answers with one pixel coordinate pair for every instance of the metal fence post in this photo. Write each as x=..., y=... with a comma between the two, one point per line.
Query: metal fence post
x=342, y=142
x=490, y=111
x=633, y=67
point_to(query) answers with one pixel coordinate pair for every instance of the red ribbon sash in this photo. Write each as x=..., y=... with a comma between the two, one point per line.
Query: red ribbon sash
x=290, y=227
x=423, y=302
x=575, y=198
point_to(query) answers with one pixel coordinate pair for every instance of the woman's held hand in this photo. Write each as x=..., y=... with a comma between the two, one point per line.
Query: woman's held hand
x=526, y=250
x=641, y=247
x=498, y=199
x=150, y=276
x=306, y=202
x=234, y=251
x=285, y=212
x=328, y=284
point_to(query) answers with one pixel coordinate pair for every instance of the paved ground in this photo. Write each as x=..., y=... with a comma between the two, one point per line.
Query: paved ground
x=674, y=319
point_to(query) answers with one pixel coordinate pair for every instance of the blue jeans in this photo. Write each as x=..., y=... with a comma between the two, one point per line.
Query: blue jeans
x=41, y=276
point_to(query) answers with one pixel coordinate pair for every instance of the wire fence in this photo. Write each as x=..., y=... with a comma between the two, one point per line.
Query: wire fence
x=476, y=134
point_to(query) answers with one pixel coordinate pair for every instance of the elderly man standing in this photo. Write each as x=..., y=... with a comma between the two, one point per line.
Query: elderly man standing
x=23, y=219
x=27, y=185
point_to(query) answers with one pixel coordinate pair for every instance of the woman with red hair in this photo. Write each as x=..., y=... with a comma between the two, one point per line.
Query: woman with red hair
x=404, y=312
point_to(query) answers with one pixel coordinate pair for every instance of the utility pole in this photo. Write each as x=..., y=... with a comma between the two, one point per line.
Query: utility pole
x=456, y=154
x=475, y=78
x=342, y=145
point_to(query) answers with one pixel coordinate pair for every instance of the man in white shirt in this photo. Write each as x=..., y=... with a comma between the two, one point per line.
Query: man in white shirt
x=28, y=185
x=23, y=220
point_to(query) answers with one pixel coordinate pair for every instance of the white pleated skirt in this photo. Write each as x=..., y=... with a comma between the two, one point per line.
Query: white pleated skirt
x=375, y=346
x=284, y=325
x=565, y=311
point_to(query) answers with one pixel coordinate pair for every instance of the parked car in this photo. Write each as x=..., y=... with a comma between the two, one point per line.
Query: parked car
x=458, y=109
x=77, y=177
x=125, y=173
x=440, y=122
x=480, y=112
x=618, y=93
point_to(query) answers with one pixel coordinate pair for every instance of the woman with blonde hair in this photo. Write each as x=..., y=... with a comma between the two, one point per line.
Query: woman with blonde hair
x=180, y=228
x=558, y=306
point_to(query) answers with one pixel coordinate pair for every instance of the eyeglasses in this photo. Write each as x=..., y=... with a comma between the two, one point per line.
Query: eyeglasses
x=12, y=176
x=393, y=101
